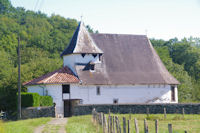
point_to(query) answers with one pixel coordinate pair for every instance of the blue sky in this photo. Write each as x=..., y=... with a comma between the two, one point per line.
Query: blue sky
x=158, y=18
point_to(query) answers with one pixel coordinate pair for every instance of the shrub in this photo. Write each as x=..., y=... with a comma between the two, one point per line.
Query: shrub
x=34, y=100
x=46, y=101
x=30, y=99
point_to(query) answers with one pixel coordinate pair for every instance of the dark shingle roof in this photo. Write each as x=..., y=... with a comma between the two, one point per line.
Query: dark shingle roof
x=81, y=42
x=127, y=59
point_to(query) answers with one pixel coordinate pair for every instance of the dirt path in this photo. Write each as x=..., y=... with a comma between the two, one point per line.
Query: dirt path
x=56, y=125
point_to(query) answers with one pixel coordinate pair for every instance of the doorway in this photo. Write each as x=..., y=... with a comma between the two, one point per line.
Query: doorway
x=69, y=106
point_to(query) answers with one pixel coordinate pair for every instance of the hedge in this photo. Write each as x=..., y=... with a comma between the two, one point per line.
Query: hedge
x=46, y=101
x=35, y=100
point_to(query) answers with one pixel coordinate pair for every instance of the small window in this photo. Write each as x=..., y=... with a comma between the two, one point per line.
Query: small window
x=65, y=89
x=98, y=90
x=92, y=66
x=81, y=101
x=172, y=93
x=83, y=55
x=115, y=101
x=100, y=57
x=94, y=55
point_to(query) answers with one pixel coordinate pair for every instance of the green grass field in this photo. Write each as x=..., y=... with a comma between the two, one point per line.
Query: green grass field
x=190, y=123
x=22, y=126
x=81, y=124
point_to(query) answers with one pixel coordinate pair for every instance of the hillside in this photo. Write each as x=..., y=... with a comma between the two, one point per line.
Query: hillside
x=44, y=37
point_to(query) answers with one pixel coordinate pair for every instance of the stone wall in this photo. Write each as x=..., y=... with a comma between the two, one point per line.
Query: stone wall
x=35, y=112
x=138, y=108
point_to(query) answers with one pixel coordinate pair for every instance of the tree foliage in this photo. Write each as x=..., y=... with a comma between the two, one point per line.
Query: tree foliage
x=182, y=59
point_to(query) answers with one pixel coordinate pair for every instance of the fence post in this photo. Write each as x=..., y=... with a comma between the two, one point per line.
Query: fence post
x=114, y=124
x=100, y=122
x=145, y=126
x=129, y=126
x=136, y=126
x=104, y=123
x=170, y=128
x=120, y=130
x=117, y=127
x=108, y=124
x=147, y=112
x=156, y=126
x=111, y=125
x=124, y=125
x=183, y=112
x=165, y=116
x=130, y=114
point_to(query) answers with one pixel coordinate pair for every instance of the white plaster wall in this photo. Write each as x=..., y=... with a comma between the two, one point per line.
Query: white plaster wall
x=72, y=59
x=36, y=89
x=55, y=91
x=125, y=94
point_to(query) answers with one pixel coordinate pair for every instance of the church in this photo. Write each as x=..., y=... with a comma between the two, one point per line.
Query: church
x=107, y=69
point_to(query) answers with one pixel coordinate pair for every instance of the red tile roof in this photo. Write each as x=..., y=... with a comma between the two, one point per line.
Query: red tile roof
x=60, y=76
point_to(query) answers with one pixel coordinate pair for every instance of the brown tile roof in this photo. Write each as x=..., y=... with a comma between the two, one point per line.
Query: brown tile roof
x=127, y=59
x=60, y=76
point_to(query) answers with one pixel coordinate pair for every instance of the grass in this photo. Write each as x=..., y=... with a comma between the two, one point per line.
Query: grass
x=2, y=130
x=190, y=123
x=82, y=124
x=23, y=126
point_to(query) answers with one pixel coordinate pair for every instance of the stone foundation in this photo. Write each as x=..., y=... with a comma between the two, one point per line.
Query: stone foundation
x=138, y=108
x=36, y=112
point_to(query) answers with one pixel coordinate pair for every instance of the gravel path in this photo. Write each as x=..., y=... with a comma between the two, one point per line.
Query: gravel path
x=56, y=125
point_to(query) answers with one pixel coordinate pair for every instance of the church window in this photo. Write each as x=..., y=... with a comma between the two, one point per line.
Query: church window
x=100, y=57
x=92, y=66
x=98, y=90
x=65, y=89
x=94, y=55
x=83, y=55
x=115, y=101
x=172, y=93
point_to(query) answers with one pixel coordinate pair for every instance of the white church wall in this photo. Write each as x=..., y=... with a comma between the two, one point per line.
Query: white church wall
x=71, y=60
x=124, y=94
x=55, y=91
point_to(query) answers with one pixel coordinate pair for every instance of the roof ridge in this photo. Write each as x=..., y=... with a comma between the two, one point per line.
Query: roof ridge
x=119, y=34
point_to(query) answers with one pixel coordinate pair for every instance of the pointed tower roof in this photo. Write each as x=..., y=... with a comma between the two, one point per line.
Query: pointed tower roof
x=81, y=42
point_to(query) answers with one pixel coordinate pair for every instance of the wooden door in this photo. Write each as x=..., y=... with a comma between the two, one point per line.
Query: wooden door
x=67, y=108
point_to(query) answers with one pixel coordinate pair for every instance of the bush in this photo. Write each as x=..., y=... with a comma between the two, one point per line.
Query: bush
x=30, y=99
x=46, y=101
x=35, y=100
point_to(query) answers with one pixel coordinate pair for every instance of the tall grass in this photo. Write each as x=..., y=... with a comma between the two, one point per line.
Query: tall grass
x=82, y=124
